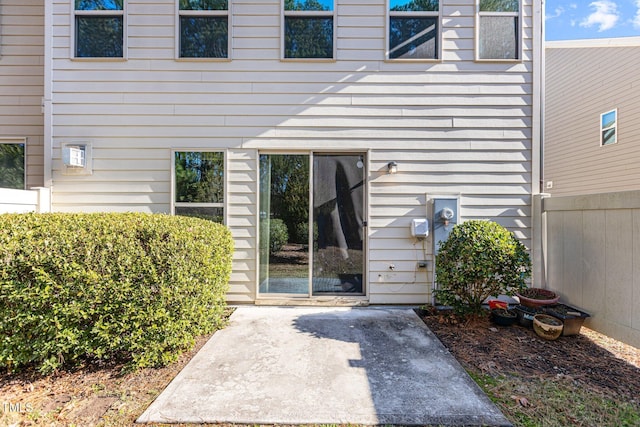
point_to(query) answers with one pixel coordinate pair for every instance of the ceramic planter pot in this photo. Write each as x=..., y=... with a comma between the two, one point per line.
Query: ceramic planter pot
x=537, y=297
x=547, y=327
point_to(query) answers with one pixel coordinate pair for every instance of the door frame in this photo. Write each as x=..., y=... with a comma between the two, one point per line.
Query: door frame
x=310, y=299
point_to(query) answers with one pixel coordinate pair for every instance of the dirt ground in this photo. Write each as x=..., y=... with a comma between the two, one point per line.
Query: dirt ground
x=105, y=396
x=589, y=360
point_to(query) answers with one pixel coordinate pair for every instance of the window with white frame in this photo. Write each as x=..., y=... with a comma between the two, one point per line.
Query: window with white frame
x=309, y=29
x=12, y=163
x=204, y=28
x=609, y=127
x=199, y=184
x=413, y=29
x=498, y=29
x=99, y=28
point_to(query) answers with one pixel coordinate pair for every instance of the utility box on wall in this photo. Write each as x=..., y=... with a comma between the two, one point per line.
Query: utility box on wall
x=446, y=214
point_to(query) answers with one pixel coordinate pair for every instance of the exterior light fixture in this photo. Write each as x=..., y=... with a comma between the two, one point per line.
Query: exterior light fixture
x=392, y=167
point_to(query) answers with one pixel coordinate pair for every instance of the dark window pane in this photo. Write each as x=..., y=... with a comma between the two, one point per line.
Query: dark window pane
x=199, y=177
x=306, y=37
x=499, y=5
x=99, y=37
x=12, y=166
x=203, y=37
x=413, y=38
x=214, y=214
x=414, y=5
x=323, y=5
x=99, y=4
x=204, y=5
x=498, y=37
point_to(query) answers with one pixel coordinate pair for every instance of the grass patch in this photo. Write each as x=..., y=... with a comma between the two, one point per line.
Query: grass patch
x=555, y=402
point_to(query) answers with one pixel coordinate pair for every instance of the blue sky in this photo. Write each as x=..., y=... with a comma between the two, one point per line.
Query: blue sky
x=592, y=19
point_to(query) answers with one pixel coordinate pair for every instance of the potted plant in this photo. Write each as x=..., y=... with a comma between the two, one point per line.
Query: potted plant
x=479, y=259
x=503, y=316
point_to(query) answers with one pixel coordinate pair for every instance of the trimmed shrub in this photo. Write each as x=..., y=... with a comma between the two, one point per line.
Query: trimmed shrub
x=135, y=288
x=479, y=259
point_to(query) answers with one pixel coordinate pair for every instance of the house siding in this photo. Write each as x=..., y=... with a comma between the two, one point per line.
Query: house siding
x=22, y=80
x=455, y=126
x=583, y=80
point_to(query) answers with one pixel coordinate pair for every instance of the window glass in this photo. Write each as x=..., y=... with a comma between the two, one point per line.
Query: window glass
x=309, y=5
x=204, y=37
x=414, y=5
x=498, y=29
x=499, y=5
x=99, y=28
x=99, y=37
x=413, y=29
x=608, y=125
x=308, y=37
x=413, y=37
x=12, y=166
x=203, y=5
x=199, y=177
x=99, y=4
x=308, y=29
x=204, y=29
x=498, y=35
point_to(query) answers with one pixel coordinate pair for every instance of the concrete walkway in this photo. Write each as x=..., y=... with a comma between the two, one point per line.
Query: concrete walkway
x=309, y=365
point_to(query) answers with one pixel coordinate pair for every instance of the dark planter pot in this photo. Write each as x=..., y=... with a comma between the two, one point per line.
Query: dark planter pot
x=503, y=317
x=570, y=316
x=525, y=315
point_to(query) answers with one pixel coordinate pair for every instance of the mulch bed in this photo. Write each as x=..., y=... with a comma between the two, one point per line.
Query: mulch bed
x=589, y=358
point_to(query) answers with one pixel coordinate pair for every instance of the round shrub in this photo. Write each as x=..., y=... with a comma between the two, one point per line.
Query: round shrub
x=479, y=259
x=134, y=288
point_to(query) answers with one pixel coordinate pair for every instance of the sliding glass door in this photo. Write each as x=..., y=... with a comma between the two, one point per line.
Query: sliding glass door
x=314, y=251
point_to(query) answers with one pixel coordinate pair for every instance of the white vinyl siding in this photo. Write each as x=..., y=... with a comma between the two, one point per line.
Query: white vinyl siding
x=455, y=126
x=22, y=80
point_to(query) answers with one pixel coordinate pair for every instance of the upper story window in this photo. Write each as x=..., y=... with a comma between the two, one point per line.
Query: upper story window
x=199, y=184
x=99, y=28
x=413, y=29
x=498, y=29
x=12, y=160
x=309, y=29
x=608, y=127
x=204, y=28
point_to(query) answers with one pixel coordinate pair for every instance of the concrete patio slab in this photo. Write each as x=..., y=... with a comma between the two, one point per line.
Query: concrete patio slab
x=327, y=365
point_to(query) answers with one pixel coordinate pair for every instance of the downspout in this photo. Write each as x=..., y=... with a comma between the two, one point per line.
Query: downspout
x=46, y=100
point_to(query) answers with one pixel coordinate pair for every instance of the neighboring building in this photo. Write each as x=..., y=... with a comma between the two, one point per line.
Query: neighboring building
x=592, y=170
x=592, y=116
x=277, y=115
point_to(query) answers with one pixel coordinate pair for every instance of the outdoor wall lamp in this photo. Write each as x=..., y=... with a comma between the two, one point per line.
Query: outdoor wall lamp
x=392, y=167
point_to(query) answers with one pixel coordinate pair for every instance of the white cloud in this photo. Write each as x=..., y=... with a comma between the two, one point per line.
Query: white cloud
x=636, y=20
x=605, y=15
x=557, y=12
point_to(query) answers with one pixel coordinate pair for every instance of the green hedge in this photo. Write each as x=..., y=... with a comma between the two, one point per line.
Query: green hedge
x=134, y=288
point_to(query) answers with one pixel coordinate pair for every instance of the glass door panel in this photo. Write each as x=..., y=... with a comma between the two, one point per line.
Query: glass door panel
x=284, y=224
x=338, y=224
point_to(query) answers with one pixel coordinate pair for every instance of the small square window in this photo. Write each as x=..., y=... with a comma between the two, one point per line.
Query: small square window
x=199, y=184
x=413, y=29
x=498, y=29
x=609, y=127
x=12, y=165
x=309, y=29
x=204, y=28
x=99, y=28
